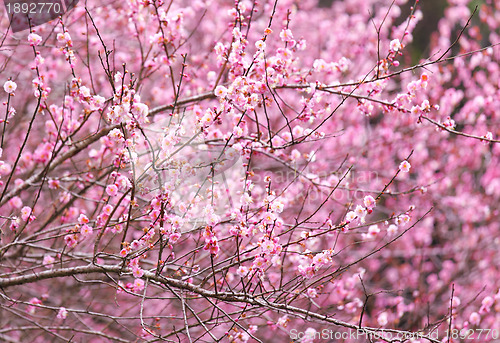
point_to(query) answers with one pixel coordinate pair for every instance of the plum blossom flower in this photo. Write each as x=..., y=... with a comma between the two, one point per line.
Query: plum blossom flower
x=449, y=123
x=405, y=166
x=277, y=206
x=107, y=209
x=295, y=155
x=260, y=45
x=322, y=258
x=242, y=271
x=112, y=190
x=63, y=313
x=16, y=202
x=70, y=241
x=306, y=271
x=141, y=110
x=237, y=131
x=10, y=86
x=138, y=285
x=382, y=319
x=48, y=261
x=373, y=230
x=488, y=136
x=259, y=263
x=486, y=304
x=174, y=237
x=360, y=211
x=402, y=219
x=64, y=38
x=32, y=308
x=269, y=218
x=86, y=230
x=82, y=219
x=268, y=246
x=34, y=39
x=392, y=229
x=349, y=217
x=474, y=318
x=25, y=213
x=395, y=45
x=137, y=272
x=369, y=202
x=283, y=321
x=312, y=293
x=286, y=35
x=220, y=91
x=135, y=244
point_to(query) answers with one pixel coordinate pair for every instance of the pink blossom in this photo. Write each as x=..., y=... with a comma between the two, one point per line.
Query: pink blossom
x=63, y=313
x=70, y=241
x=369, y=202
x=269, y=218
x=449, y=123
x=277, y=206
x=321, y=131
x=474, y=318
x=373, y=230
x=350, y=216
x=312, y=293
x=259, y=263
x=486, y=304
x=32, y=308
x=34, y=39
x=25, y=213
x=395, y=45
x=295, y=155
x=86, y=230
x=242, y=271
x=16, y=202
x=174, y=237
x=237, y=131
x=138, y=285
x=137, y=272
x=260, y=45
x=283, y=321
x=10, y=86
x=220, y=91
x=392, y=230
x=82, y=219
x=382, y=319
x=306, y=271
x=64, y=38
x=405, y=166
x=48, y=261
x=267, y=246
x=112, y=190
x=488, y=136
x=107, y=209
x=360, y=211
x=135, y=244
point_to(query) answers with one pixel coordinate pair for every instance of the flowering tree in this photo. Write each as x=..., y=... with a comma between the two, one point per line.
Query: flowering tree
x=250, y=171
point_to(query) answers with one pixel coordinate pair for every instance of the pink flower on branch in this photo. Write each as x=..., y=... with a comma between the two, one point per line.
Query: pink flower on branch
x=9, y=87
